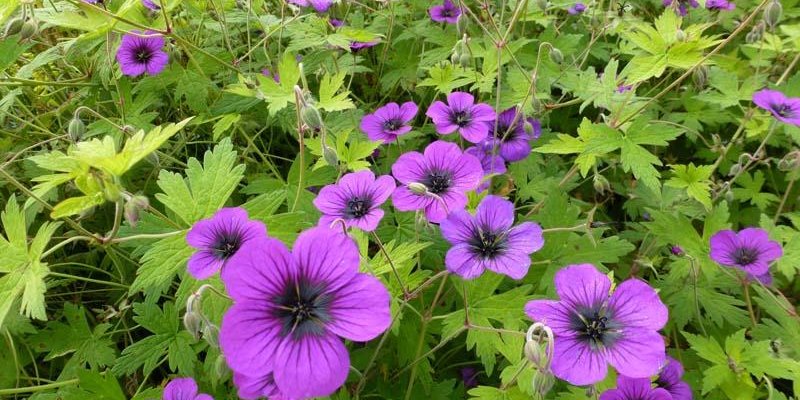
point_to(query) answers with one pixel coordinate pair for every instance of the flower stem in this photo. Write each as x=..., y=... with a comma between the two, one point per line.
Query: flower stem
x=749, y=302
x=391, y=264
x=39, y=388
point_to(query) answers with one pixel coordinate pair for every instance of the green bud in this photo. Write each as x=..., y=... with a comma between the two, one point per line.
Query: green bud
x=311, y=117
x=464, y=60
x=111, y=188
x=29, y=29
x=193, y=323
x=330, y=156
x=462, y=23
x=735, y=169
x=418, y=188
x=542, y=383
x=729, y=196
x=133, y=208
x=13, y=27
x=220, y=367
x=211, y=335
x=76, y=129
x=700, y=76
x=454, y=58
x=556, y=56
x=534, y=353
x=680, y=35
x=601, y=184
x=542, y=4
x=772, y=13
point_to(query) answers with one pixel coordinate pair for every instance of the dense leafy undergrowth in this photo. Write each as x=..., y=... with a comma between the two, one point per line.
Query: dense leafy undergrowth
x=505, y=199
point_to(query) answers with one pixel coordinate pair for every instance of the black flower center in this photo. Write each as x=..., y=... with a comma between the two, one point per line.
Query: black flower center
x=438, y=181
x=784, y=110
x=595, y=327
x=392, y=124
x=303, y=309
x=745, y=255
x=488, y=244
x=227, y=244
x=357, y=207
x=447, y=12
x=461, y=118
x=143, y=55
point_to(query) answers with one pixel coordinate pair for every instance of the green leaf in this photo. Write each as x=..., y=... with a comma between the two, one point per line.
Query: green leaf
x=76, y=205
x=750, y=187
x=224, y=124
x=445, y=77
x=92, y=347
x=163, y=260
x=696, y=181
x=593, y=141
x=328, y=99
x=206, y=187
x=99, y=386
x=280, y=95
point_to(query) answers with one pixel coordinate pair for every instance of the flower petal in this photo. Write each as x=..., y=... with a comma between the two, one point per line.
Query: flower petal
x=637, y=353
x=261, y=270
x=311, y=366
x=526, y=237
x=458, y=227
x=328, y=256
x=181, y=389
x=552, y=313
x=360, y=310
x=410, y=167
x=635, y=304
x=495, y=214
x=249, y=337
x=575, y=362
x=461, y=260
x=582, y=285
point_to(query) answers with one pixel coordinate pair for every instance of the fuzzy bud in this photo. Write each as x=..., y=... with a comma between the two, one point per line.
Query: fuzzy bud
x=735, y=169
x=418, y=188
x=542, y=4
x=464, y=60
x=542, y=383
x=772, y=13
x=729, y=196
x=537, y=105
x=220, y=367
x=462, y=23
x=311, y=117
x=76, y=129
x=29, y=29
x=601, y=184
x=193, y=323
x=700, y=76
x=680, y=35
x=134, y=207
x=676, y=250
x=211, y=335
x=13, y=27
x=330, y=156
x=556, y=56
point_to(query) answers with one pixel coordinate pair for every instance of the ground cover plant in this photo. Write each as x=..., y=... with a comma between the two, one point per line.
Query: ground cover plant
x=505, y=199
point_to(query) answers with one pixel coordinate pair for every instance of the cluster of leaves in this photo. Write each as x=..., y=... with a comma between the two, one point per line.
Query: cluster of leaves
x=635, y=157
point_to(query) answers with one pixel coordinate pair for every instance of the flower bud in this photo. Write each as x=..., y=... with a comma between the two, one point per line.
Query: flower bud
x=680, y=35
x=153, y=159
x=461, y=24
x=311, y=117
x=729, y=196
x=76, y=129
x=418, y=188
x=211, y=335
x=330, y=156
x=542, y=4
x=193, y=323
x=542, y=383
x=676, y=250
x=464, y=60
x=533, y=352
x=735, y=169
x=13, y=27
x=29, y=29
x=772, y=13
x=220, y=367
x=556, y=56
x=134, y=207
x=601, y=184
x=700, y=76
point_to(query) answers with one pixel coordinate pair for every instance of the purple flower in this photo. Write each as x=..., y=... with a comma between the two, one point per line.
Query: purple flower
x=447, y=12
x=356, y=46
x=142, y=54
x=389, y=121
x=671, y=379
x=577, y=8
x=491, y=162
x=254, y=388
x=336, y=23
x=183, y=389
x=469, y=376
x=723, y=5
x=510, y=133
x=291, y=308
x=356, y=199
x=445, y=171
x=635, y=389
x=461, y=114
x=489, y=240
x=683, y=5
x=219, y=238
x=783, y=108
x=676, y=250
x=275, y=77
x=151, y=5
x=624, y=88
x=593, y=328
x=319, y=5
x=750, y=250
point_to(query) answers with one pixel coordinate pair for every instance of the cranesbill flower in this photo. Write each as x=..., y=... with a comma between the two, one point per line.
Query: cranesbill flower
x=447, y=12
x=258, y=387
x=389, y=121
x=319, y=5
x=356, y=200
x=683, y=5
x=577, y=8
x=151, y=4
x=275, y=76
x=184, y=389
x=671, y=379
x=461, y=114
x=291, y=309
x=750, y=250
x=141, y=53
x=593, y=329
x=489, y=240
x=723, y=5
x=219, y=238
x=491, y=161
x=783, y=108
x=635, y=389
x=446, y=173
x=514, y=141
x=357, y=46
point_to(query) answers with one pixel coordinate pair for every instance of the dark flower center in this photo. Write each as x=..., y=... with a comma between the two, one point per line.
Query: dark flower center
x=438, y=181
x=392, y=124
x=488, y=244
x=357, y=207
x=143, y=55
x=595, y=327
x=303, y=309
x=784, y=110
x=461, y=118
x=447, y=12
x=745, y=255
x=227, y=244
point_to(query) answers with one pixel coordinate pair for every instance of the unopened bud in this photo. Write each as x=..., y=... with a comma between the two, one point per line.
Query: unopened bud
x=461, y=24
x=464, y=60
x=729, y=196
x=418, y=188
x=601, y=184
x=193, y=323
x=311, y=117
x=220, y=367
x=13, y=27
x=537, y=105
x=735, y=169
x=542, y=4
x=676, y=250
x=680, y=35
x=76, y=129
x=542, y=383
x=772, y=13
x=134, y=207
x=556, y=56
x=700, y=76
x=330, y=156
x=211, y=334
x=533, y=352
x=29, y=29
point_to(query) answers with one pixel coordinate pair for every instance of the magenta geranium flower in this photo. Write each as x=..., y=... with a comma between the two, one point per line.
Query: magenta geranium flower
x=446, y=173
x=141, y=53
x=447, y=12
x=515, y=143
x=151, y=4
x=461, y=114
x=389, y=121
x=259, y=387
x=593, y=329
x=491, y=161
x=722, y=5
x=319, y=5
x=290, y=311
x=577, y=8
x=489, y=240
x=635, y=389
x=750, y=250
x=683, y=5
x=783, y=108
x=184, y=389
x=356, y=200
x=219, y=238
x=671, y=379
x=358, y=46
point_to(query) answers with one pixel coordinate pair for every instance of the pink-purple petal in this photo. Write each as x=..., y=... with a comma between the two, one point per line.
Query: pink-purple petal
x=249, y=337
x=582, y=285
x=575, y=362
x=312, y=366
x=322, y=255
x=637, y=353
x=637, y=305
x=360, y=311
